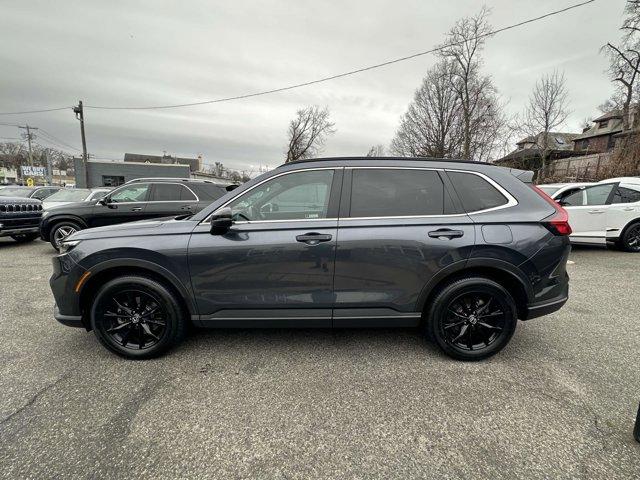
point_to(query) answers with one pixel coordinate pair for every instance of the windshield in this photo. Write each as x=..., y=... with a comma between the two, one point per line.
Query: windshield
x=549, y=189
x=16, y=192
x=69, y=195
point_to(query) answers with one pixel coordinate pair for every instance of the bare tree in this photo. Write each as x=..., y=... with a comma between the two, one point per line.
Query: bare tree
x=547, y=110
x=376, y=151
x=308, y=132
x=463, y=47
x=624, y=68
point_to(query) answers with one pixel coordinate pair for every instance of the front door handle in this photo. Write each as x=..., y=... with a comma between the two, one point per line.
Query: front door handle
x=313, y=238
x=185, y=207
x=136, y=209
x=446, y=233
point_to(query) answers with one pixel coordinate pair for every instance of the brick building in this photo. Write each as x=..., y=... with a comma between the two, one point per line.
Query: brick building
x=601, y=136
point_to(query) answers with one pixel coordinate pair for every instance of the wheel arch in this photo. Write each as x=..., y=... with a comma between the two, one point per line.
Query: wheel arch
x=53, y=221
x=110, y=269
x=629, y=224
x=503, y=273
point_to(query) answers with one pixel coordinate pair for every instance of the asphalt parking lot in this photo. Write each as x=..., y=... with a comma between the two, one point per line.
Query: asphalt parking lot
x=558, y=402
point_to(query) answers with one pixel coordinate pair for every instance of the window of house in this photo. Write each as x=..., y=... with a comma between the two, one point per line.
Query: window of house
x=475, y=192
x=583, y=144
x=611, y=142
x=112, y=180
x=396, y=193
x=603, y=124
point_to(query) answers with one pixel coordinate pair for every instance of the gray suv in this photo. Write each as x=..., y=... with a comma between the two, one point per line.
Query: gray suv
x=460, y=249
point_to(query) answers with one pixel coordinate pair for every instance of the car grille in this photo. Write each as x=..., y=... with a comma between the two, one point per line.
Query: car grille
x=19, y=208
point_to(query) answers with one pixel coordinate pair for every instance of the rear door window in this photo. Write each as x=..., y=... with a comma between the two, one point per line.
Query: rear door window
x=598, y=194
x=396, y=193
x=475, y=192
x=166, y=192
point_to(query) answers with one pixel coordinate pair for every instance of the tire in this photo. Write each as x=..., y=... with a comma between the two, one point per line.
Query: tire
x=120, y=324
x=630, y=239
x=25, y=237
x=62, y=230
x=472, y=318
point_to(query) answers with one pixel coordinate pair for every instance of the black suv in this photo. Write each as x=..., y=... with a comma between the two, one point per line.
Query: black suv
x=461, y=249
x=139, y=199
x=19, y=218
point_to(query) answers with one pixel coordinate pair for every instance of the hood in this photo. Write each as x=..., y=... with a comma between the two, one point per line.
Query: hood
x=62, y=207
x=158, y=226
x=20, y=200
x=48, y=205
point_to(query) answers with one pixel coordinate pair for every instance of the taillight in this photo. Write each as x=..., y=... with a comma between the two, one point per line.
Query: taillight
x=558, y=224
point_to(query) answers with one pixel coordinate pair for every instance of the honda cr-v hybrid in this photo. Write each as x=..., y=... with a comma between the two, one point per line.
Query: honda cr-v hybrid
x=461, y=249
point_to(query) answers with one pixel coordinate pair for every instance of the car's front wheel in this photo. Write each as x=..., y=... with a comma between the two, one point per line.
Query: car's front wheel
x=472, y=318
x=137, y=317
x=62, y=230
x=25, y=237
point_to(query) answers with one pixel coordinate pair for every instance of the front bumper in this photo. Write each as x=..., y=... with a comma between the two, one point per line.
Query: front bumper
x=68, y=320
x=6, y=232
x=65, y=277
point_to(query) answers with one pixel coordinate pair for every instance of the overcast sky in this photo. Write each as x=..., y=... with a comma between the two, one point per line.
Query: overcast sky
x=165, y=52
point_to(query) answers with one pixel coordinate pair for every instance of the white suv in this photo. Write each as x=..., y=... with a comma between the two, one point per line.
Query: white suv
x=607, y=211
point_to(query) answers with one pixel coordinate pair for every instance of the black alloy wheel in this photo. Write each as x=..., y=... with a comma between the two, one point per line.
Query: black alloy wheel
x=137, y=317
x=472, y=318
x=631, y=238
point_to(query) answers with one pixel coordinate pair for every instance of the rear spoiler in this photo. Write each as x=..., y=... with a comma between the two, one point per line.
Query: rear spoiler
x=525, y=175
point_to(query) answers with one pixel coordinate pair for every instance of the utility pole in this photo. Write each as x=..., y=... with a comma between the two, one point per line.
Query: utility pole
x=29, y=136
x=80, y=116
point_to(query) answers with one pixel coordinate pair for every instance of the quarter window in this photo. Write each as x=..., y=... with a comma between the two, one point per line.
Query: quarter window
x=475, y=192
x=626, y=195
x=396, y=193
x=294, y=196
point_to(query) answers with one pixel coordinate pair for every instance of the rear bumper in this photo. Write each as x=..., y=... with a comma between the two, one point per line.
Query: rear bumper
x=541, y=309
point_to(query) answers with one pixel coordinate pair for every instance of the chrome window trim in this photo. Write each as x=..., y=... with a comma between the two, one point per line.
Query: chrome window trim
x=208, y=217
x=156, y=201
x=511, y=201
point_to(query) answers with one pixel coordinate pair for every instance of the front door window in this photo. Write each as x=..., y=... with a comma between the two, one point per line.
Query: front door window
x=294, y=196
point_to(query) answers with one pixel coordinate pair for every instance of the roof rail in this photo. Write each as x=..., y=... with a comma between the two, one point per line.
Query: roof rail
x=168, y=179
x=411, y=159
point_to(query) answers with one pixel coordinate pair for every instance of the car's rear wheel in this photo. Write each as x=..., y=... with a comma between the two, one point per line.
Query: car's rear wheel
x=472, y=318
x=25, y=237
x=62, y=230
x=630, y=240
x=137, y=317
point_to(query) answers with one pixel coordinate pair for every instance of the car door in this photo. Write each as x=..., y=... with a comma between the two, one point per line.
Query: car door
x=397, y=229
x=624, y=208
x=170, y=199
x=275, y=266
x=587, y=210
x=125, y=204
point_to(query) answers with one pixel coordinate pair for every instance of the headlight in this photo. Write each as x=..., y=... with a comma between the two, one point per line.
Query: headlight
x=67, y=245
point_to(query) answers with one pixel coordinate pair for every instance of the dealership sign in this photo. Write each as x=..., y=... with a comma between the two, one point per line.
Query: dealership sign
x=29, y=171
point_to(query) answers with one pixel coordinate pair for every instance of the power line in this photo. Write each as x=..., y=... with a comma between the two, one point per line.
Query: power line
x=36, y=111
x=53, y=137
x=323, y=79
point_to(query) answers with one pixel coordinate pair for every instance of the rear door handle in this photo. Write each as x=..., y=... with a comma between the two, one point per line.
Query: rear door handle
x=596, y=211
x=136, y=209
x=185, y=207
x=313, y=238
x=446, y=233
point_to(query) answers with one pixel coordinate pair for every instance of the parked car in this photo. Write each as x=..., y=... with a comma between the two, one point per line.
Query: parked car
x=73, y=195
x=39, y=193
x=462, y=249
x=604, y=212
x=19, y=218
x=557, y=191
x=138, y=199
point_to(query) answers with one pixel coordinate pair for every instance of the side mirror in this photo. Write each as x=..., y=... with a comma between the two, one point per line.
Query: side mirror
x=103, y=201
x=221, y=221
